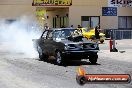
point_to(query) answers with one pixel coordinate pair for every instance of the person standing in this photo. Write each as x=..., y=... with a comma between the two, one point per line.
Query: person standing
x=97, y=33
x=71, y=26
x=79, y=26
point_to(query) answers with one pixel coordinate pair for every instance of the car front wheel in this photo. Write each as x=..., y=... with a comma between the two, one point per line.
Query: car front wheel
x=58, y=58
x=42, y=56
x=93, y=58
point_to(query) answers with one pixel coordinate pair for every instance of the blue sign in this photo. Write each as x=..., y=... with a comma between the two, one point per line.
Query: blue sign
x=109, y=11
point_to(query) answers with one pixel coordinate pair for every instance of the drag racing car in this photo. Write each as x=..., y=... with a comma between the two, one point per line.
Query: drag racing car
x=63, y=44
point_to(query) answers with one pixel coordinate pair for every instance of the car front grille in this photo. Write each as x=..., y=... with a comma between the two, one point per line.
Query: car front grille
x=82, y=46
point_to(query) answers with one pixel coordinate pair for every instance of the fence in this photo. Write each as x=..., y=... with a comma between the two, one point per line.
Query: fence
x=118, y=33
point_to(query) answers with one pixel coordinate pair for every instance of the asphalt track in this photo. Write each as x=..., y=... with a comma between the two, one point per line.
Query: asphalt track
x=18, y=70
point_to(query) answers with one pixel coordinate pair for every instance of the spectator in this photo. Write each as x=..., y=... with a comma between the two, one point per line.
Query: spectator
x=46, y=26
x=97, y=33
x=79, y=26
x=71, y=26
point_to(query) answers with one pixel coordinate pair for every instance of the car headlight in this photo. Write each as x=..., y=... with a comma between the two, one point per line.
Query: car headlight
x=66, y=47
x=95, y=45
x=69, y=46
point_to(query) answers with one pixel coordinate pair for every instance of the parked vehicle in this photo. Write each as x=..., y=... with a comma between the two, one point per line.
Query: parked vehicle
x=63, y=45
x=90, y=34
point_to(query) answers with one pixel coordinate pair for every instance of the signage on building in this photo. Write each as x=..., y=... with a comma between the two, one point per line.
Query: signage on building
x=52, y=3
x=109, y=11
x=120, y=3
x=40, y=11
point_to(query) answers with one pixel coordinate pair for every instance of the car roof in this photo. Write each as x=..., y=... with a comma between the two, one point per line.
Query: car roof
x=52, y=29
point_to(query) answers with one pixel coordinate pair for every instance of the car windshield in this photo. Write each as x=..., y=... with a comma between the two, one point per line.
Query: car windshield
x=63, y=34
x=86, y=29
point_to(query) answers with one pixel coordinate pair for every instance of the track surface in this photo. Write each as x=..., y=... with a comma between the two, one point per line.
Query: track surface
x=17, y=70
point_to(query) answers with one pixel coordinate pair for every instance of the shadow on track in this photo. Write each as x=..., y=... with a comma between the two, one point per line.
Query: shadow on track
x=71, y=63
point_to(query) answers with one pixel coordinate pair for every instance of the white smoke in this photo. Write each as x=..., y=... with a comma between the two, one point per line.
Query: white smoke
x=19, y=35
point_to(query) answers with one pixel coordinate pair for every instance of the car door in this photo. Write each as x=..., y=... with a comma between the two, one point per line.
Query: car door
x=49, y=45
x=43, y=39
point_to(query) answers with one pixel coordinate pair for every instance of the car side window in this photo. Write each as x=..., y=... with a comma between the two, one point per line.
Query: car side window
x=45, y=35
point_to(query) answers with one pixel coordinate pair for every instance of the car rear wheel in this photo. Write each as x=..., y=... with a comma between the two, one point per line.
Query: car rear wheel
x=58, y=58
x=42, y=56
x=101, y=41
x=93, y=58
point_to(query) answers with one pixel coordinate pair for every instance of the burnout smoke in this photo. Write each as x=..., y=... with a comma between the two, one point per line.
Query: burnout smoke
x=19, y=34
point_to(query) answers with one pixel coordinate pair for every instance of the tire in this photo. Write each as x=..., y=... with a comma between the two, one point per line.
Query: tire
x=58, y=58
x=101, y=41
x=42, y=56
x=93, y=58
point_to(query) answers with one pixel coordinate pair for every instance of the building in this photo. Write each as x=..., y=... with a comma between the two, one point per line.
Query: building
x=58, y=13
